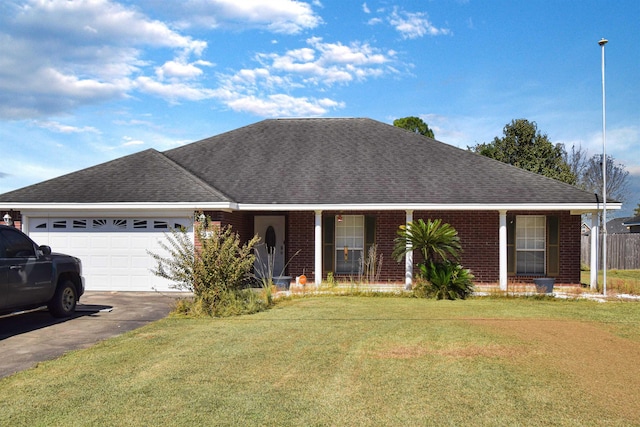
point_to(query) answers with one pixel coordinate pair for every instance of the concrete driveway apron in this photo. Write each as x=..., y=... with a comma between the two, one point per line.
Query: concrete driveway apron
x=30, y=338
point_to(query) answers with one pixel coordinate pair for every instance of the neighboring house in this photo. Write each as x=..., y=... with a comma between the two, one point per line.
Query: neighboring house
x=327, y=189
x=633, y=224
x=618, y=226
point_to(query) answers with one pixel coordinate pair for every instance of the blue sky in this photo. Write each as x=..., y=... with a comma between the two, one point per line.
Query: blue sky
x=85, y=82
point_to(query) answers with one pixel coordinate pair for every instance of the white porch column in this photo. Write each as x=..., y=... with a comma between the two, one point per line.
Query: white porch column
x=318, y=249
x=593, y=262
x=503, y=250
x=408, y=259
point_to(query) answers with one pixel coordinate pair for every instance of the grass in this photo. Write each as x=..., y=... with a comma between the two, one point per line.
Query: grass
x=618, y=281
x=333, y=360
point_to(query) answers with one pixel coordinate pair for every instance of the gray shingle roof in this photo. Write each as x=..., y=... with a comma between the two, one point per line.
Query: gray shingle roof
x=147, y=176
x=306, y=161
x=632, y=221
x=617, y=225
x=358, y=161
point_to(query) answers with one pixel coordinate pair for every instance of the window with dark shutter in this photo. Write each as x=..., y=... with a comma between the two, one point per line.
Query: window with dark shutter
x=553, y=246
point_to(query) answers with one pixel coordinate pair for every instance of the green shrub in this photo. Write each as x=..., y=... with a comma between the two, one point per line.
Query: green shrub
x=438, y=276
x=444, y=280
x=215, y=272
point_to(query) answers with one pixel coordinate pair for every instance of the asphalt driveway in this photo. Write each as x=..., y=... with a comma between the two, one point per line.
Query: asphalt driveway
x=30, y=338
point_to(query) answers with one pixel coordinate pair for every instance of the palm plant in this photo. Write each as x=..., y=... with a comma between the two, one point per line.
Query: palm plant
x=440, y=275
x=448, y=280
x=435, y=241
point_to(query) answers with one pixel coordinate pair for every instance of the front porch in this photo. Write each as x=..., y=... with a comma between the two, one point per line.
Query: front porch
x=311, y=243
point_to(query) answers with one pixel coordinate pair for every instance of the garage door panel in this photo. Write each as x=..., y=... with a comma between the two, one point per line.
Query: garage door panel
x=141, y=262
x=99, y=242
x=97, y=261
x=119, y=261
x=144, y=242
x=79, y=241
x=114, y=252
x=120, y=242
x=56, y=242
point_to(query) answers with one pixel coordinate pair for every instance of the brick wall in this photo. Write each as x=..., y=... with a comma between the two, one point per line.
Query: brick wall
x=478, y=232
x=301, y=237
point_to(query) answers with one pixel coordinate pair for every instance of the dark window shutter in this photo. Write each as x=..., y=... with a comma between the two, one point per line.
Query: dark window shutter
x=369, y=233
x=553, y=246
x=511, y=244
x=328, y=243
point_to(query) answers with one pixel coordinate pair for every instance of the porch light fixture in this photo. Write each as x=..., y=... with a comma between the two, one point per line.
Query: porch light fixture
x=7, y=219
x=340, y=218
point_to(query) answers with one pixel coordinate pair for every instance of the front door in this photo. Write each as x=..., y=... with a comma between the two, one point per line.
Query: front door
x=270, y=250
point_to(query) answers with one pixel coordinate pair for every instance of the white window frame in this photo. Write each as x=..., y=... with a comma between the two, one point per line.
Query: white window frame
x=531, y=237
x=350, y=234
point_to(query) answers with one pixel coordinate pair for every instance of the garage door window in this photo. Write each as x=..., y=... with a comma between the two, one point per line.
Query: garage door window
x=105, y=224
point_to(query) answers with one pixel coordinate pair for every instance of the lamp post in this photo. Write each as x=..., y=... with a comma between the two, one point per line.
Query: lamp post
x=603, y=42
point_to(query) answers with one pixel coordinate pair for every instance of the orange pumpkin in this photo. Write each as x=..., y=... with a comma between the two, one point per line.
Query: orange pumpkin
x=303, y=280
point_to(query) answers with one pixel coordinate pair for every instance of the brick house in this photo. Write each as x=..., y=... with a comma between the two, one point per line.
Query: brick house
x=326, y=189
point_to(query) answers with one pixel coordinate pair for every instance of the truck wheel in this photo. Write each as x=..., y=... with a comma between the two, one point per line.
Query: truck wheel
x=63, y=303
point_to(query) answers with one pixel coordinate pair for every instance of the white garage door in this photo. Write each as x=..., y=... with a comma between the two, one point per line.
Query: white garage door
x=113, y=250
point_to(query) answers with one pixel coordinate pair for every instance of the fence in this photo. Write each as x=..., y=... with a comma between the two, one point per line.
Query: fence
x=623, y=251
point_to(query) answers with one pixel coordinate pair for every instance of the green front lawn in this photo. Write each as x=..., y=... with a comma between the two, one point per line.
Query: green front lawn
x=618, y=281
x=357, y=361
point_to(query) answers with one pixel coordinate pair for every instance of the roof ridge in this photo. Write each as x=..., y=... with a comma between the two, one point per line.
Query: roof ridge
x=191, y=176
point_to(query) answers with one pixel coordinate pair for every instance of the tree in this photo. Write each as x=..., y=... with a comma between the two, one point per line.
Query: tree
x=440, y=275
x=435, y=241
x=525, y=147
x=636, y=211
x=577, y=161
x=617, y=178
x=414, y=124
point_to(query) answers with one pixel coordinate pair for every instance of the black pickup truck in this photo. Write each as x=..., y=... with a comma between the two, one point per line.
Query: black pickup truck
x=32, y=277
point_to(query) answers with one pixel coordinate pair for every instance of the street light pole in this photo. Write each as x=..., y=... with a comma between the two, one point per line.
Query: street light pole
x=603, y=42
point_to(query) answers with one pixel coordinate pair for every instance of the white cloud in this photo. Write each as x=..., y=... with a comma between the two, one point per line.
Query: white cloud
x=29, y=172
x=179, y=70
x=412, y=25
x=61, y=128
x=329, y=63
x=624, y=138
x=278, y=16
x=281, y=105
x=104, y=20
x=57, y=55
x=623, y=144
x=268, y=90
x=634, y=170
x=129, y=142
x=365, y=8
x=173, y=92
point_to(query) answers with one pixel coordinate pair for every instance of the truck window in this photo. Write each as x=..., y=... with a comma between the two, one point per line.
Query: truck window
x=16, y=245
